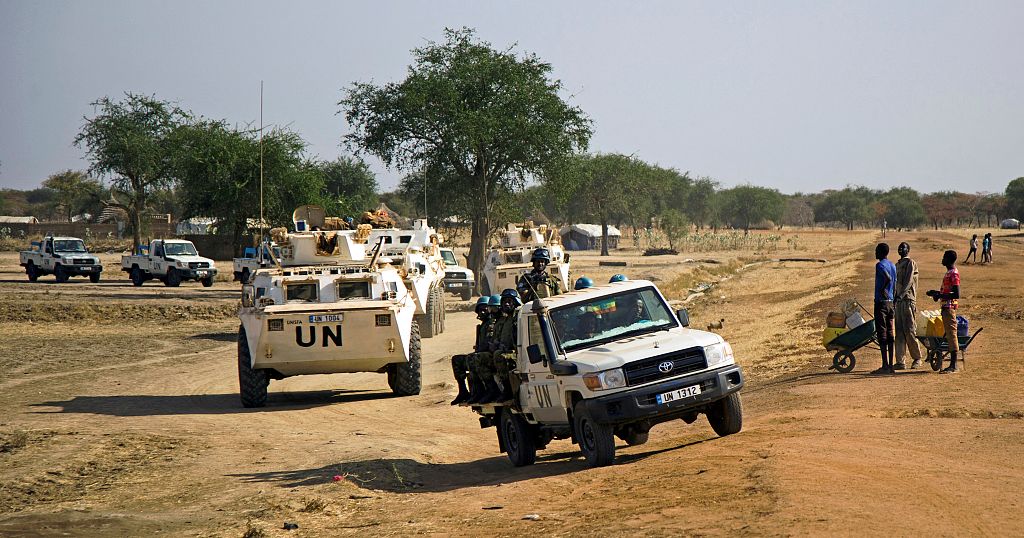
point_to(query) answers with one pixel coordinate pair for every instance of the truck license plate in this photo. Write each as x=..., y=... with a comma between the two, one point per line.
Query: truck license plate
x=456, y=284
x=678, y=394
x=326, y=318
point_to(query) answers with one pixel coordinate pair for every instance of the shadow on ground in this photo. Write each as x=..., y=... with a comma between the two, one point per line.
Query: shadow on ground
x=411, y=476
x=203, y=404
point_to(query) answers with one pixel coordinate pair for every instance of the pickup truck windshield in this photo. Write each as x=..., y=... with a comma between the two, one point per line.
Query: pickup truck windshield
x=449, y=257
x=68, y=245
x=611, y=317
x=180, y=249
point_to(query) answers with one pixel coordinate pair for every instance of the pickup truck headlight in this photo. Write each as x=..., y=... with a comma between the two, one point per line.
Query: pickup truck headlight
x=608, y=379
x=181, y=265
x=720, y=353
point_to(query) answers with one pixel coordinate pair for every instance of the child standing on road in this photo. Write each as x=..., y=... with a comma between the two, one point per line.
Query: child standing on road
x=950, y=297
x=974, y=250
x=986, y=249
x=885, y=287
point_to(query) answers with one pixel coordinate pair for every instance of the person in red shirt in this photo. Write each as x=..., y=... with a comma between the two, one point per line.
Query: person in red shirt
x=950, y=297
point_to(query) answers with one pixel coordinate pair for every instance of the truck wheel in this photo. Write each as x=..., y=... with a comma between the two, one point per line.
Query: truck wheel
x=207, y=282
x=252, y=382
x=467, y=295
x=245, y=276
x=518, y=439
x=60, y=273
x=404, y=378
x=136, y=276
x=429, y=319
x=173, y=279
x=843, y=362
x=32, y=272
x=597, y=441
x=726, y=415
x=94, y=278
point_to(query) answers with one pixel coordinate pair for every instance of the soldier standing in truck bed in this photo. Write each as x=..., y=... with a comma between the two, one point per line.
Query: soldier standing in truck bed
x=538, y=282
x=460, y=363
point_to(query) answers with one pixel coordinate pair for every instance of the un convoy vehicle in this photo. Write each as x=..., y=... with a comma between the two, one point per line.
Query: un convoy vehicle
x=457, y=278
x=504, y=263
x=417, y=254
x=252, y=259
x=611, y=361
x=171, y=261
x=330, y=307
x=63, y=257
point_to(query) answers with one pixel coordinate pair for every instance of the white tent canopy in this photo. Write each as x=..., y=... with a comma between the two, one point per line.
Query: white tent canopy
x=1010, y=224
x=592, y=230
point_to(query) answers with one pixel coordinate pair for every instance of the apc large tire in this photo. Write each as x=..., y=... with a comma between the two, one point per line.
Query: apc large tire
x=173, y=279
x=404, y=378
x=60, y=273
x=32, y=272
x=429, y=319
x=94, y=278
x=726, y=415
x=136, y=276
x=519, y=440
x=252, y=382
x=597, y=441
x=442, y=309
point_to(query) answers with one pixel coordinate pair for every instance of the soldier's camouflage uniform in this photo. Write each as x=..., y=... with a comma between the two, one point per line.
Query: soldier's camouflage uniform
x=542, y=281
x=480, y=360
x=461, y=363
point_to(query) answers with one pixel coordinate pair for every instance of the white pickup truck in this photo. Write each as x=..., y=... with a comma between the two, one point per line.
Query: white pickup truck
x=253, y=259
x=610, y=361
x=457, y=279
x=63, y=257
x=170, y=261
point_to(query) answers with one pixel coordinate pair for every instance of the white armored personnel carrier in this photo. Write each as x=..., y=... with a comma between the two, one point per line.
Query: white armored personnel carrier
x=328, y=306
x=503, y=264
x=417, y=252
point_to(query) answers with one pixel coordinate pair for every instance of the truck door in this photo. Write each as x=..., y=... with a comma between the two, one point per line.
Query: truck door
x=540, y=393
x=47, y=257
x=156, y=255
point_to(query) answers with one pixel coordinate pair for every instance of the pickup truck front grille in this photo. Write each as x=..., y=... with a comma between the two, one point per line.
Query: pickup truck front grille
x=652, y=398
x=198, y=265
x=653, y=369
x=83, y=261
x=455, y=276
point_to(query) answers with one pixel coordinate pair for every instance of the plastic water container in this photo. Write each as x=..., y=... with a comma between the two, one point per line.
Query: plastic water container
x=854, y=320
x=962, y=329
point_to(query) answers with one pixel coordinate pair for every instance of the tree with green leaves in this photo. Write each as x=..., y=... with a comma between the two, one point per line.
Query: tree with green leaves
x=1015, y=198
x=128, y=141
x=797, y=212
x=74, y=190
x=350, y=185
x=849, y=206
x=218, y=169
x=700, y=204
x=901, y=208
x=747, y=205
x=483, y=120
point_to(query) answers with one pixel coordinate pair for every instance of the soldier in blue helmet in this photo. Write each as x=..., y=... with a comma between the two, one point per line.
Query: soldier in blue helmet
x=460, y=363
x=583, y=283
x=538, y=282
x=504, y=356
x=481, y=363
x=619, y=277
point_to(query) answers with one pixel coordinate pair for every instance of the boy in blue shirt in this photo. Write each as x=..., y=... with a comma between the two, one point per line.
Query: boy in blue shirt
x=885, y=312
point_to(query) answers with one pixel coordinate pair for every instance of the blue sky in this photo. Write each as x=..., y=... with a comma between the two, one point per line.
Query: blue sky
x=798, y=96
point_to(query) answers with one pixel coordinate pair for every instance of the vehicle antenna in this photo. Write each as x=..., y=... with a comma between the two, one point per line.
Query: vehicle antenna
x=261, y=167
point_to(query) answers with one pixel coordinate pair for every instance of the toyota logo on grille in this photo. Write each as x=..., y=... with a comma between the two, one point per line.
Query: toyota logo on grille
x=666, y=367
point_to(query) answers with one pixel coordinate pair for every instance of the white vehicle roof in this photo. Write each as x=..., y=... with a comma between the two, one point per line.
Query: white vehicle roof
x=574, y=296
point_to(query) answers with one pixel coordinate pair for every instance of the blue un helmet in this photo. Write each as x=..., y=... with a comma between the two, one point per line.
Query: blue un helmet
x=617, y=278
x=583, y=283
x=481, y=304
x=541, y=254
x=512, y=295
x=494, y=301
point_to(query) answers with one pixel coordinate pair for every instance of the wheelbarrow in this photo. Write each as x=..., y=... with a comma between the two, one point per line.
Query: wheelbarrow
x=845, y=344
x=938, y=348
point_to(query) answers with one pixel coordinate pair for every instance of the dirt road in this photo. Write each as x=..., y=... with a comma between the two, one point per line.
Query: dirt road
x=120, y=416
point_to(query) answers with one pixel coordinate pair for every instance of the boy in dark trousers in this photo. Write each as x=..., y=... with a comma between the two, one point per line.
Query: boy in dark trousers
x=885, y=311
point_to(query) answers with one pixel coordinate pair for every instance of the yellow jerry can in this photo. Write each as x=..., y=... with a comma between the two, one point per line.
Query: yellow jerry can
x=830, y=334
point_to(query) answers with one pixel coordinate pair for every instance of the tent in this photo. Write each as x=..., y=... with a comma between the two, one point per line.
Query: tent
x=588, y=237
x=1010, y=224
x=18, y=220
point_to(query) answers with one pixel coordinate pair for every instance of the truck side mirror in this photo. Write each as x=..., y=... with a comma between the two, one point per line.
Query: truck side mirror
x=533, y=353
x=684, y=317
x=563, y=368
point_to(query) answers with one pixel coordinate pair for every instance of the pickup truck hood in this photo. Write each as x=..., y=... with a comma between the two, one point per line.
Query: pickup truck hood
x=618, y=353
x=191, y=259
x=78, y=256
